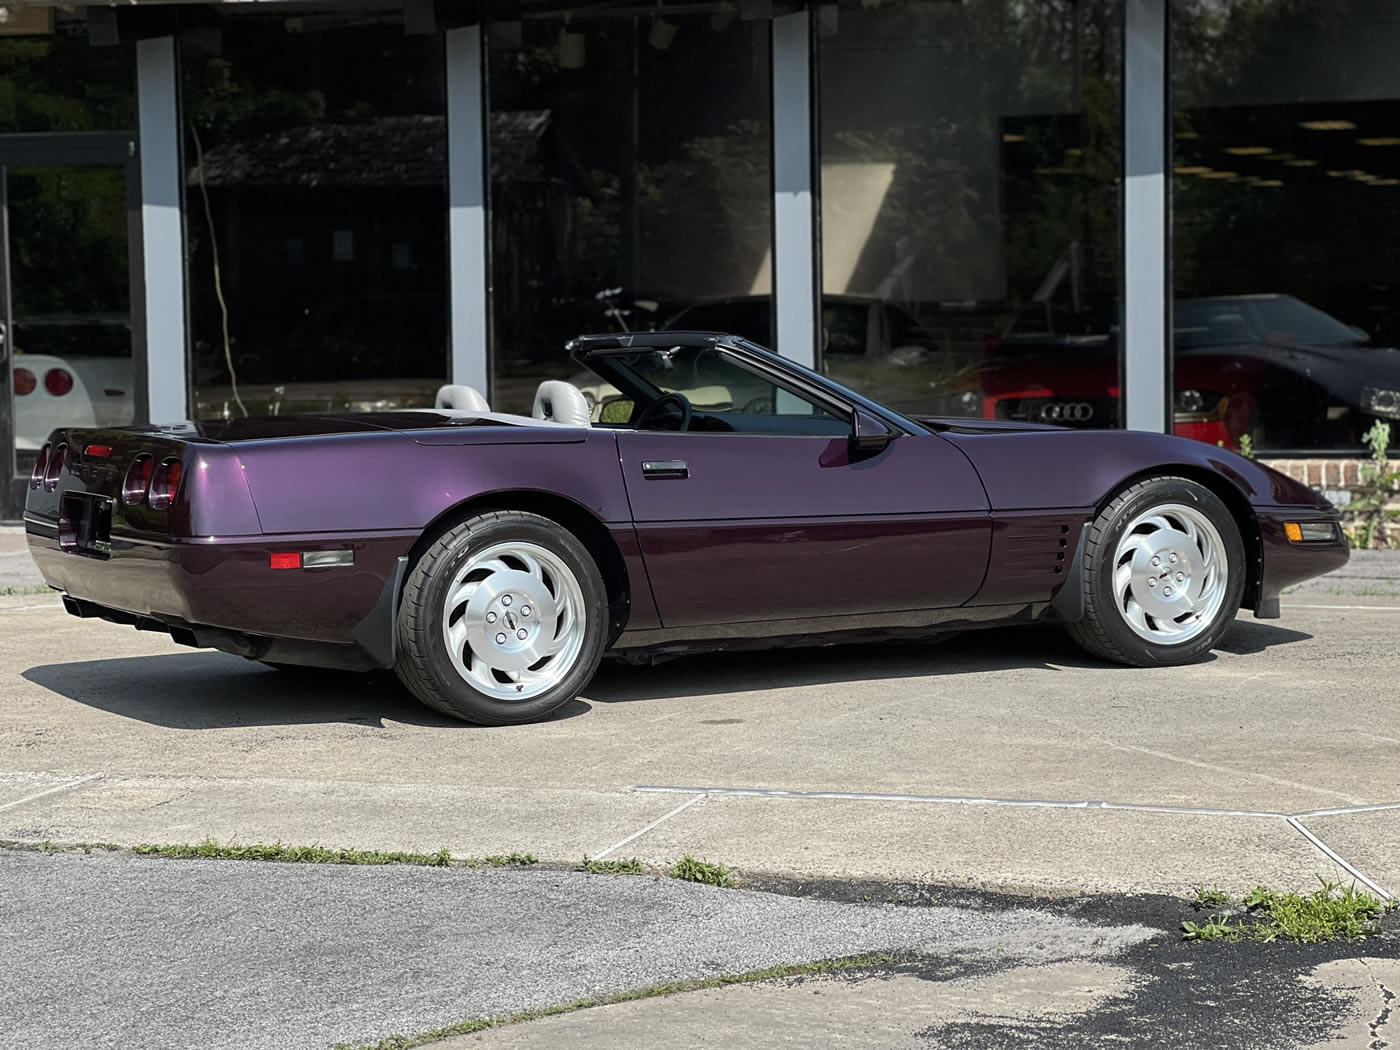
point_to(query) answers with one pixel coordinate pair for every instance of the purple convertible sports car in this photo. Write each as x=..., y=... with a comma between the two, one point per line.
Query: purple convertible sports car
x=492, y=560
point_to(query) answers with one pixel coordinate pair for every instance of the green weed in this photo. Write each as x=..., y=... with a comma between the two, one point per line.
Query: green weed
x=629, y=866
x=688, y=869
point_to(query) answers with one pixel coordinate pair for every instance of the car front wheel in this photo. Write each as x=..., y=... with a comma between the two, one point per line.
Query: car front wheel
x=1163, y=574
x=502, y=619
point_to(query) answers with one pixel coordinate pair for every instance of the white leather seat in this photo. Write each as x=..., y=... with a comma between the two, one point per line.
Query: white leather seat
x=461, y=399
x=561, y=402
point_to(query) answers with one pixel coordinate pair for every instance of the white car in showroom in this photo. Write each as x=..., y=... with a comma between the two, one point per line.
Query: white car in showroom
x=70, y=372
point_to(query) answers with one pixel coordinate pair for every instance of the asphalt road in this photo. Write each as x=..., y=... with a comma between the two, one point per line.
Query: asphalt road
x=112, y=951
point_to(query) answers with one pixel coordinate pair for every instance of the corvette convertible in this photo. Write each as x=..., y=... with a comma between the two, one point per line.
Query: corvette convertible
x=492, y=560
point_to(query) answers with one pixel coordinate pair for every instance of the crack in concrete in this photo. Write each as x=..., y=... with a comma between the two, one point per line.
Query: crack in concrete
x=1378, y=1042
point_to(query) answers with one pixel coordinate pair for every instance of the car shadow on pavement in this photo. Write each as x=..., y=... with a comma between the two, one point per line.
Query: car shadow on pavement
x=206, y=690
x=1020, y=648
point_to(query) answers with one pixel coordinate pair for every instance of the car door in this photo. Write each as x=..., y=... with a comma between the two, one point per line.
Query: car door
x=780, y=517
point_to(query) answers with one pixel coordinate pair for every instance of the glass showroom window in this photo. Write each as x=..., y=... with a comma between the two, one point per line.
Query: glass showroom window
x=315, y=215
x=65, y=287
x=970, y=158
x=627, y=154
x=1286, y=195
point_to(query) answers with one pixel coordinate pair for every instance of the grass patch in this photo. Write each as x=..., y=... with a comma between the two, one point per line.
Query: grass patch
x=688, y=869
x=1332, y=912
x=629, y=866
x=1209, y=899
x=14, y=592
x=211, y=850
x=408, y=1042
x=509, y=860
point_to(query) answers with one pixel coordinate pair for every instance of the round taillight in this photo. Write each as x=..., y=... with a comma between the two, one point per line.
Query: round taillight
x=54, y=468
x=41, y=466
x=138, y=480
x=58, y=381
x=165, y=484
x=24, y=382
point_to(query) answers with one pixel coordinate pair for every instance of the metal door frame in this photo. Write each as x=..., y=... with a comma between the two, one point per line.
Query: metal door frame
x=66, y=149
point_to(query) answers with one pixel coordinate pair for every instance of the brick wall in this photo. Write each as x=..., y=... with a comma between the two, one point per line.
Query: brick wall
x=1334, y=478
x=1320, y=473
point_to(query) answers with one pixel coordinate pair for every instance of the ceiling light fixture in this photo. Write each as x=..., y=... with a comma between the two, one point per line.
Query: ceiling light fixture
x=1387, y=140
x=1327, y=125
x=1192, y=169
x=1300, y=163
x=1220, y=175
x=1011, y=136
x=1249, y=151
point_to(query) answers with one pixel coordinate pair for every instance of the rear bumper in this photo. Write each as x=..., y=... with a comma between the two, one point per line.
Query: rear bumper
x=223, y=585
x=1284, y=563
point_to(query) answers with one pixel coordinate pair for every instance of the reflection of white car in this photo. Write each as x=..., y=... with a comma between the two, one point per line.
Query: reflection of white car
x=78, y=375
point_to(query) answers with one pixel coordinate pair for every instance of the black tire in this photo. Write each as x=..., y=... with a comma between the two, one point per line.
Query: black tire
x=423, y=662
x=1104, y=629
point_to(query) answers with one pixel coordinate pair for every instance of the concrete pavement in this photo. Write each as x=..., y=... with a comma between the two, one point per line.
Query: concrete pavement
x=1007, y=759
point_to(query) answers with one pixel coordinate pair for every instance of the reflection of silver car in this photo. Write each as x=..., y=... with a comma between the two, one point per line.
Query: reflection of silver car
x=870, y=345
x=70, y=372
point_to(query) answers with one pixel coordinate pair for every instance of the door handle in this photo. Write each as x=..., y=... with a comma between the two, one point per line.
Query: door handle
x=663, y=469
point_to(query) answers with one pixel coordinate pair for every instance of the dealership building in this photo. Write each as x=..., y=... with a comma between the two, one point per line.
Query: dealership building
x=1156, y=214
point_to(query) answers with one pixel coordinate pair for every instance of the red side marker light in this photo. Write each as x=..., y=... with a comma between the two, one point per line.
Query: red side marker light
x=100, y=451
x=290, y=560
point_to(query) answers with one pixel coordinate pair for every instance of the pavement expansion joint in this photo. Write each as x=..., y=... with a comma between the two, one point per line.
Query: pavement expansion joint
x=1294, y=820
x=54, y=790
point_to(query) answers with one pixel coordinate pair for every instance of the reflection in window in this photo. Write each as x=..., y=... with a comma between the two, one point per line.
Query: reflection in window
x=969, y=166
x=1286, y=149
x=316, y=216
x=629, y=180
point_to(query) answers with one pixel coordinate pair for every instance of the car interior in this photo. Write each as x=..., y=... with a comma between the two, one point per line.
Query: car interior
x=679, y=390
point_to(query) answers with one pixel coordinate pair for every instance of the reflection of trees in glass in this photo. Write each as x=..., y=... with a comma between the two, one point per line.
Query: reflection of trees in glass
x=68, y=239
x=1000, y=120
x=67, y=225
x=60, y=83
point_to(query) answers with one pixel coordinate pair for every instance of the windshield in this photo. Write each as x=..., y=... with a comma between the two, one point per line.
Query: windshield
x=1276, y=319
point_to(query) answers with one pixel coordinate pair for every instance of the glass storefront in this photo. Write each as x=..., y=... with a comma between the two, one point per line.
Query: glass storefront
x=315, y=215
x=65, y=320
x=630, y=185
x=968, y=173
x=1286, y=153
x=969, y=162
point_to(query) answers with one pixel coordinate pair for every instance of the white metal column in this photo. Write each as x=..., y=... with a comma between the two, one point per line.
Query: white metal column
x=162, y=235
x=794, y=224
x=466, y=208
x=1146, y=236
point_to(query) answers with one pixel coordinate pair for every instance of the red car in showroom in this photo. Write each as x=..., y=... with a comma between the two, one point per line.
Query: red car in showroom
x=1270, y=366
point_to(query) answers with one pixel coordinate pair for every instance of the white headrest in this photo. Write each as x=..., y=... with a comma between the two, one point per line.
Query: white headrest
x=561, y=402
x=461, y=399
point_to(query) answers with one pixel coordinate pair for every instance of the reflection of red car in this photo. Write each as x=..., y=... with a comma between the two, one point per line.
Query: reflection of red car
x=1271, y=366
x=1044, y=384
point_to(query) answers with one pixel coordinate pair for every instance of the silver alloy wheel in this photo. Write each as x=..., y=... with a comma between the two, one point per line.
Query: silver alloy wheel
x=514, y=620
x=1170, y=574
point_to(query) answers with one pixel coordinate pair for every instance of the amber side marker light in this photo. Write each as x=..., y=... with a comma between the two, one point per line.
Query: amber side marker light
x=1309, y=531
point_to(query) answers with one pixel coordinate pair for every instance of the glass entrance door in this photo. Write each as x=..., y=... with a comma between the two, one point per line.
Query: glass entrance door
x=65, y=307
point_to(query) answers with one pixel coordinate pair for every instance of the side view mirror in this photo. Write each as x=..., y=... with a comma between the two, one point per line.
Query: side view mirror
x=868, y=434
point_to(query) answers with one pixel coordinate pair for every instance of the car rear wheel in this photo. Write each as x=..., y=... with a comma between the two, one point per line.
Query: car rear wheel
x=502, y=620
x=1162, y=575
